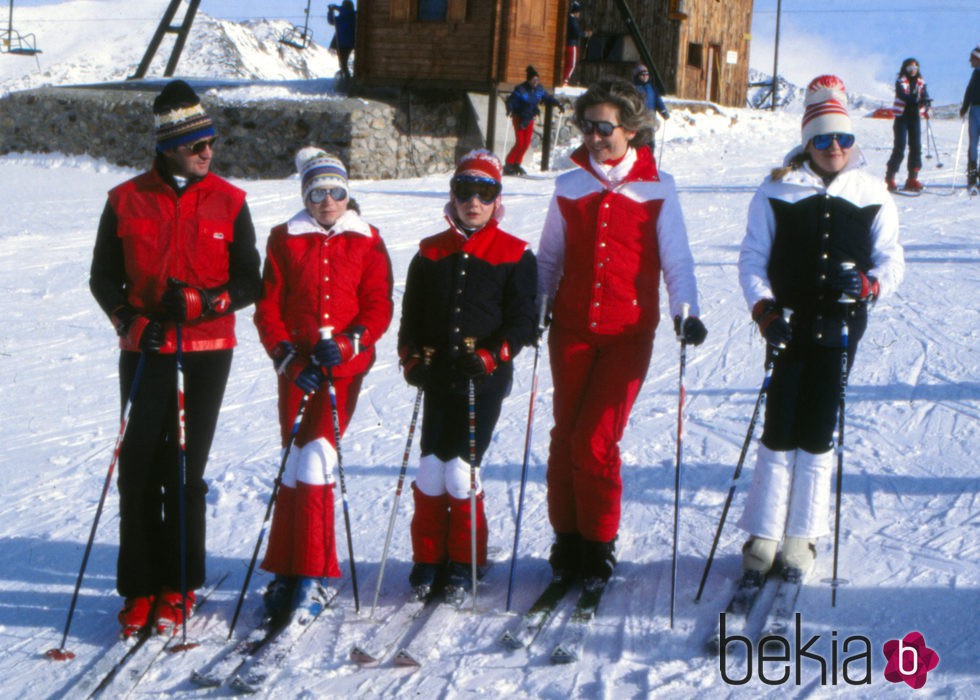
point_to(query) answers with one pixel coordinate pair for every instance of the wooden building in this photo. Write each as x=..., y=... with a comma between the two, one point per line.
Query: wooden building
x=700, y=48
x=465, y=44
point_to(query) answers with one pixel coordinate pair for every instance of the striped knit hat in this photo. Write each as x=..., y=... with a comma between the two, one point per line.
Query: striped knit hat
x=825, y=110
x=179, y=117
x=480, y=162
x=319, y=170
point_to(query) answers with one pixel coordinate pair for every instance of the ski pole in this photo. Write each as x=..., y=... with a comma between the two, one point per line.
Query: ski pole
x=527, y=451
x=932, y=137
x=327, y=332
x=956, y=163
x=268, y=508
x=427, y=359
x=182, y=484
x=759, y=401
x=62, y=654
x=835, y=582
x=471, y=410
x=685, y=309
x=663, y=139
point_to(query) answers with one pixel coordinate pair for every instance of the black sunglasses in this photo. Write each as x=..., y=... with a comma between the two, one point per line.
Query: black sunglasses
x=197, y=148
x=822, y=141
x=589, y=127
x=465, y=187
x=338, y=194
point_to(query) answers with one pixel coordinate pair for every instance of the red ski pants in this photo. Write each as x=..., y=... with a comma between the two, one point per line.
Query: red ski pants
x=571, y=60
x=596, y=379
x=522, y=142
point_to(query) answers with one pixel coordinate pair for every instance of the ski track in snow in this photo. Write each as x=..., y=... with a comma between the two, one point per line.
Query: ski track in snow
x=909, y=526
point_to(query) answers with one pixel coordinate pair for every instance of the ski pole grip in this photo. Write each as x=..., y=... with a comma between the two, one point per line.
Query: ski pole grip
x=470, y=344
x=845, y=299
x=326, y=332
x=685, y=312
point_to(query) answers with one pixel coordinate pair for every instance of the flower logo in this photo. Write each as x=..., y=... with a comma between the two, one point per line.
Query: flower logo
x=909, y=660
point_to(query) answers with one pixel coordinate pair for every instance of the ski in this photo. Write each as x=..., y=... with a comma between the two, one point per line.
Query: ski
x=745, y=594
x=780, y=614
x=256, y=670
x=569, y=649
x=127, y=661
x=523, y=634
x=375, y=649
x=227, y=660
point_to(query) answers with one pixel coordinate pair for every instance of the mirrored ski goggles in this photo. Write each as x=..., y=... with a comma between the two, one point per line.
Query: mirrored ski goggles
x=465, y=187
x=589, y=127
x=822, y=141
x=337, y=194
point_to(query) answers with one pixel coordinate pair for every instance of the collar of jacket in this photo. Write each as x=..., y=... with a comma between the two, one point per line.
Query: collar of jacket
x=163, y=173
x=637, y=166
x=447, y=212
x=349, y=222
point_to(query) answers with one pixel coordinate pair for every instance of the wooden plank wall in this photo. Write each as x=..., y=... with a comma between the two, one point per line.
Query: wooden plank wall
x=535, y=31
x=393, y=46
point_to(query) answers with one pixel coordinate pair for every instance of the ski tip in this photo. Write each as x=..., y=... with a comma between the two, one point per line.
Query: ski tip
x=561, y=655
x=510, y=641
x=362, y=657
x=205, y=680
x=185, y=646
x=405, y=658
x=241, y=685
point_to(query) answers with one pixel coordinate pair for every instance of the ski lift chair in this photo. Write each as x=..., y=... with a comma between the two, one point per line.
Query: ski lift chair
x=296, y=37
x=18, y=44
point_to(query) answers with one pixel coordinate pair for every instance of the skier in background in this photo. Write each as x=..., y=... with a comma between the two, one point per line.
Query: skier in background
x=911, y=100
x=822, y=240
x=324, y=267
x=573, y=41
x=522, y=106
x=971, y=110
x=474, y=281
x=343, y=18
x=613, y=226
x=175, y=247
x=651, y=98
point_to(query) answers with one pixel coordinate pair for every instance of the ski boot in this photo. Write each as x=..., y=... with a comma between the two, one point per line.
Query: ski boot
x=912, y=183
x=135, y=615
x=798, y=556
x=309, y=598
x=566, y=555
x=422, y=579
x=172, y=609
x=890, y=182
x=278, y=597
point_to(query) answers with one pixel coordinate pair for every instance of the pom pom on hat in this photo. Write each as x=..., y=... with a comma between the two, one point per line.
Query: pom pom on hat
x=319, y=170
x=480, y=162
x=825, y=110
x=529, y=72
x=179, y=118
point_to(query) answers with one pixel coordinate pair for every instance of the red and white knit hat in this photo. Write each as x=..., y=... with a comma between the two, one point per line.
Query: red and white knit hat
x=825, y=108
x=480, y=162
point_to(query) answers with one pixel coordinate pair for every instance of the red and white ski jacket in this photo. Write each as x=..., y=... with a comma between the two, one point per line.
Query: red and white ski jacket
x=314, y=278
x=910, y=95
x=608, y=235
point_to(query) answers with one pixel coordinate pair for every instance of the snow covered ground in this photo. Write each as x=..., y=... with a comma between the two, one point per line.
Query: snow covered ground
x=910, y=521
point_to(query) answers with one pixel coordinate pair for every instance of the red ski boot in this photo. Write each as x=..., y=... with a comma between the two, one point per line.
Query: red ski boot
x=135, y=615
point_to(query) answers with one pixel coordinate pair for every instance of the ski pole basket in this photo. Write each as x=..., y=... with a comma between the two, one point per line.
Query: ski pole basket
x=296, y=37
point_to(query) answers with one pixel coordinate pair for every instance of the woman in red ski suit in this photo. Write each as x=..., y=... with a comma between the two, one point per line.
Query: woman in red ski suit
x=325, y=268
x=614, y=225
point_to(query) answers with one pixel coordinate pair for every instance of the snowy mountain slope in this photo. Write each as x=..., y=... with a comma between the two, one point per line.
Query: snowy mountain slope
x=909, y=527
x=96, y=41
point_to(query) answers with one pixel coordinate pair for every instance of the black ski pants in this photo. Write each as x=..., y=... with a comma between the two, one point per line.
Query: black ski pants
x=446, y=426
x=149, y=498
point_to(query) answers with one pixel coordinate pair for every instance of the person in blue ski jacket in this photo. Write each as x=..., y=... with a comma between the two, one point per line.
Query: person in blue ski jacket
x=911, y=101
x=971, y=110
x=651, y=98
x=343, y=18
x=522, y=108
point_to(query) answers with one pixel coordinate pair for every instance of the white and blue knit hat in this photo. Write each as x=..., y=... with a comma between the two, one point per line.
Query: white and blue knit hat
x=179, y=117
x=319, y=170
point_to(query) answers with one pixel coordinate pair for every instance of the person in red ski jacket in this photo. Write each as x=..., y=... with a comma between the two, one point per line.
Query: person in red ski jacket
x=613, y=228
x=471, y=282
x=175, y=248
x=326, y=301
x=911, y=102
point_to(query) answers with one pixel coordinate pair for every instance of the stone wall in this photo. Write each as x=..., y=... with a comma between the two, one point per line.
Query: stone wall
x=391, y=136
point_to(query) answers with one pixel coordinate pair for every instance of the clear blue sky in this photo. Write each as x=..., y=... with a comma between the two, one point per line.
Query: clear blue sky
x=863, y=41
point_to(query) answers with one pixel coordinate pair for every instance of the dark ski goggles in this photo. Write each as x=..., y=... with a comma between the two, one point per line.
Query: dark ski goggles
x=589, y=127
x=822, y=141
x=483, y=188
x=197, y=148
x=338, y=194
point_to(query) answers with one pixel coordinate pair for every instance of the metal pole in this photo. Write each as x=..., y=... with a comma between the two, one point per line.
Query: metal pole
x=775, y=57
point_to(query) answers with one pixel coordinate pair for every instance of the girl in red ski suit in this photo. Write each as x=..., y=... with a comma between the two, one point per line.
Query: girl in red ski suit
x=324, y=268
